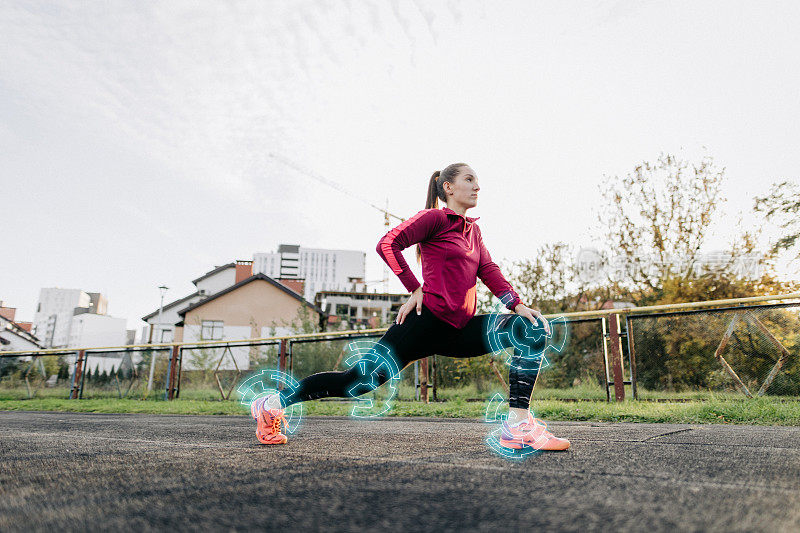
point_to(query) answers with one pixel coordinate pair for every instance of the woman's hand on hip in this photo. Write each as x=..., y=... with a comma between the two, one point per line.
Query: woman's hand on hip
x=534, y=315
x=413, y=304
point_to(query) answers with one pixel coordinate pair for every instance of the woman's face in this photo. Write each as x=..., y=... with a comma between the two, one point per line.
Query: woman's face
x=464, y=188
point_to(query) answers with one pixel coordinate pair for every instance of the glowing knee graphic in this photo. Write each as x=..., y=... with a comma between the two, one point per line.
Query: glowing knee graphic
x=375, y=365
x=509, y=330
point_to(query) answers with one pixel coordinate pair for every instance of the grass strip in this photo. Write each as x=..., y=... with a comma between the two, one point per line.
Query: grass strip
x=759, y=411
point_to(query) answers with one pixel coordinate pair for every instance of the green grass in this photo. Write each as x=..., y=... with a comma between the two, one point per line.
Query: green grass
x=760, y=411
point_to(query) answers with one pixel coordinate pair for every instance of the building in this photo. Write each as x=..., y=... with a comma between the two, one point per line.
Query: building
x=15, y=336
x=320, y=269
x=163, y=330
x=9, y=313
x=209, y=286
x=255, y=306
x=358, y=309
x=89, y=330
x=53, y=320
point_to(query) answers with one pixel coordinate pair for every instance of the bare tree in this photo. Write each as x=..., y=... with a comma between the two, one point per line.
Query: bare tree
x=657, y=215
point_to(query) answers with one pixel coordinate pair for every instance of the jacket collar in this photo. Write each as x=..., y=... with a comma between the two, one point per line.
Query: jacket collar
x=451, y=212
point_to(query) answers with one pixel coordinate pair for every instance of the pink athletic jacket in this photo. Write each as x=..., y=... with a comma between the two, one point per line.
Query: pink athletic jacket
x=453, y=255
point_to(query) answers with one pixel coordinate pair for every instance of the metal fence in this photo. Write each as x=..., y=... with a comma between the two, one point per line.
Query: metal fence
x=749, y=349
x=745, y=347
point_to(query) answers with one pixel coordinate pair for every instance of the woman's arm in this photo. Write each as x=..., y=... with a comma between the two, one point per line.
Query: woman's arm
x=416, y=229
x=490, y=274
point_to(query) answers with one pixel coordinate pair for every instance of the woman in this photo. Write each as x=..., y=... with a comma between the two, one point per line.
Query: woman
x=439, y=317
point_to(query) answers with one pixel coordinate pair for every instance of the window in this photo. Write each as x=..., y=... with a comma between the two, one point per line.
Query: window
x=166, y=335
x=211, y=330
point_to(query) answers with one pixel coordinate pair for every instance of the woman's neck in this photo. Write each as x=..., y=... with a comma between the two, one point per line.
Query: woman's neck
x=460, y=209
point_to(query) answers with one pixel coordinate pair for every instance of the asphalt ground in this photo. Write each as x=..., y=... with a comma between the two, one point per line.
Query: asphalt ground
x=64, y=471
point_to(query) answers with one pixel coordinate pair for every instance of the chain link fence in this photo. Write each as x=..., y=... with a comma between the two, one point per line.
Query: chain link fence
x=26, y=377
x=735, y=351
x=746, y=350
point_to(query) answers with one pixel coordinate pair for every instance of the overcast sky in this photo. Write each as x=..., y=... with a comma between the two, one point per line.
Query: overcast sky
x=135, y=136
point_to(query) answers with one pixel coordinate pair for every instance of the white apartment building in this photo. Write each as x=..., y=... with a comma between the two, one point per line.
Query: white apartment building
x=53, y=319
x=322, y=269
x=89, y=330
x=57, y=315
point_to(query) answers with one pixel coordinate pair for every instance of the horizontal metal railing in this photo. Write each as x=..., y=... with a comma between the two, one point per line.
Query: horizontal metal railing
x=611, y=322
x=332, y=334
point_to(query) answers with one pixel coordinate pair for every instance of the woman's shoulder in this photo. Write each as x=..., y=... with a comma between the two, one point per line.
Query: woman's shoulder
x=437, y=211
x=432, y=214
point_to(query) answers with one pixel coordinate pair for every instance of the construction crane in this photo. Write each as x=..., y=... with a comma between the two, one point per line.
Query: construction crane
x=387, y=216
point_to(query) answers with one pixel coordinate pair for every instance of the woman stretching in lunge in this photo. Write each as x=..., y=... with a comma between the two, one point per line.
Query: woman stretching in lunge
x=439, y=318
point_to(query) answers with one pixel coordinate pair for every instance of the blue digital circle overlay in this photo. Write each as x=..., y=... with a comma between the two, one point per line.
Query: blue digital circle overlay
x=265, y=382
x=510, y=330
x=494, y=416
x=375, y=365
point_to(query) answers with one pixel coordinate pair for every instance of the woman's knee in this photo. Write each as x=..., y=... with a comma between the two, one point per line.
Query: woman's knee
x=369, y=373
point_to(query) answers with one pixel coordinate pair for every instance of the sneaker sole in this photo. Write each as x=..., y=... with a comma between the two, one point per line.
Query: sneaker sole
x=271, y=442
x=514, y=445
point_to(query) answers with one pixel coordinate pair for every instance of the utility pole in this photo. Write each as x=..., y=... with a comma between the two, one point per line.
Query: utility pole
x=163, y=290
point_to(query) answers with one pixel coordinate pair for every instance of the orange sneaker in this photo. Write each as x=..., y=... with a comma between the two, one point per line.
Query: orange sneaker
x=269, y=421
x=531, y=433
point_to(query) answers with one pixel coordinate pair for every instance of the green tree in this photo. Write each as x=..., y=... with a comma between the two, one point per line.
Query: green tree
x=782, y=205
x=656, y=216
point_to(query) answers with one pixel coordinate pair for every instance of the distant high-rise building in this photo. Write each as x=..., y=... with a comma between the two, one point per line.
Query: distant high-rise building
x=89, y=329
x=99, y=304
x=322, y=269
x=55, y=315
x=53, y=319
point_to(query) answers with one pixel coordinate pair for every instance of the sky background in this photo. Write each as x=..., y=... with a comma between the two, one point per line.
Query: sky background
x=135, y=137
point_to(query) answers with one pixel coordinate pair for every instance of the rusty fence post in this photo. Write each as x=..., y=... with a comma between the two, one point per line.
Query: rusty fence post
x=606, y=375
x=290, y=355
x=631, y=356
x=435, y=380
x=77, y=375
x=83, y=375
x=282, y=362
x=172, y=372
x=180, y=370
x=615, y=345
x=423, y=379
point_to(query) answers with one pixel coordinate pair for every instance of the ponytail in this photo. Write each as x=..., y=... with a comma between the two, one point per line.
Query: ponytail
x=436, y=191
x=432, y=200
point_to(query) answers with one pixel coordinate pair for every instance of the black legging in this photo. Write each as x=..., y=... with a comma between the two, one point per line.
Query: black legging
x=420, y=336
